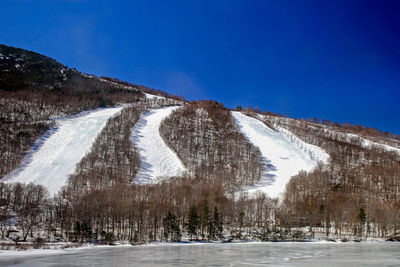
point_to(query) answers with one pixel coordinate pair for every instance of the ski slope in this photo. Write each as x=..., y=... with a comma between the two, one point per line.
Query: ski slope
x=365, y=143
x=150, y=96
x=157, y=160
x=282, y=156
x=54, y=156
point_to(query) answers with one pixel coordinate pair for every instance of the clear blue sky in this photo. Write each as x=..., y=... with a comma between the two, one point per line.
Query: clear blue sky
x=338, y=60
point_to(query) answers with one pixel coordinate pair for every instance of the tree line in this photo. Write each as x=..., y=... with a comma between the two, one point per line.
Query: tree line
x=355, y=194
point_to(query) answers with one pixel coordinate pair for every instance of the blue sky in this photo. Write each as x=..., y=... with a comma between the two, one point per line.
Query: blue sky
x=337, y=60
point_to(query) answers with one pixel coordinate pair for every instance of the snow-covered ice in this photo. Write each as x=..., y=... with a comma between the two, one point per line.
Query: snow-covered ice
x=283, y=156
x=157, y=160
x=54, y=156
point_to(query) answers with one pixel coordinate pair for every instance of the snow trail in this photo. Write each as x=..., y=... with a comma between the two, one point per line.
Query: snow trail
x=157, y=159
x=54, y=156
x=282, y=157
x=150, y=96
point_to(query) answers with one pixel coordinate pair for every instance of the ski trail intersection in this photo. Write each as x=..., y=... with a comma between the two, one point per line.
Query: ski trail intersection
x=282, y=158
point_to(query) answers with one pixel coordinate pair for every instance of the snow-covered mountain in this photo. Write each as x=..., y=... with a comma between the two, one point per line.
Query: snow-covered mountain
x=244, y=150
x=128, y=162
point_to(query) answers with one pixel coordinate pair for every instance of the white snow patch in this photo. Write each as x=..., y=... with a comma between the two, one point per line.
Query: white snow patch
x=150, y=96
x=314, y=152
x=365, y=143
x=157, y=159
x=54, y=156
x=284, y=155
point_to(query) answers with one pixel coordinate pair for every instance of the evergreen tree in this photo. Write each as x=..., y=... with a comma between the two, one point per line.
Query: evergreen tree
x=362, y=217
x=193, y=222
x=241, y=217
x=86, y=230
x=77, y=230
x=204, y=218
x=240, y=222
x=217, y=224
x=171, y=228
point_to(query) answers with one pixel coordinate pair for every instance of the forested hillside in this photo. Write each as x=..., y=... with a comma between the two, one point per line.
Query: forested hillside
x=207, y=140
x=354, y=192
x=34, y=89
x=362, y=177
x=113, y=159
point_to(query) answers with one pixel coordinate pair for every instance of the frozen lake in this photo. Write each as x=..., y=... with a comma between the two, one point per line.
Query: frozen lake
x=243, y=254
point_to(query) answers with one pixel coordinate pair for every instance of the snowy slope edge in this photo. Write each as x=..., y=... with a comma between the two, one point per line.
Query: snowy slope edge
x=315, y=152
x=283, y=154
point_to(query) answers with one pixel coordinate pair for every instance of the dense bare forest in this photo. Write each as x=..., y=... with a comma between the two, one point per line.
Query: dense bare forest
x=207, y=140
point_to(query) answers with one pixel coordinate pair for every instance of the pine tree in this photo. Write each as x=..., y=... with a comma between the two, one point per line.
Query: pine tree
x=217, y=224
x=77, y=230
x=240, y=221
x=362, y=217
x=171, y=228
x=193, y=222
x=204, y=218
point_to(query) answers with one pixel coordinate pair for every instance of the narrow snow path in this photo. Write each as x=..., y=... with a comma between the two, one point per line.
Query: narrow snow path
x=157, y=159
x=282, y=158
x=54, y=156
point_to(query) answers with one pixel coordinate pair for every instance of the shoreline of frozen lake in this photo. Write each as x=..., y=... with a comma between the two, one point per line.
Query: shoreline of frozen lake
x=222, y=254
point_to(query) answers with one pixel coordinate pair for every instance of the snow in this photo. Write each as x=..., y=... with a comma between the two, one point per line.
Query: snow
x=56, y=248
x=54, y=156
x=314, y=152
x=29, y=253
x=365, y=143
x=118, y=85
x=150, y=96
x=157, y=159
x=283, y=154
